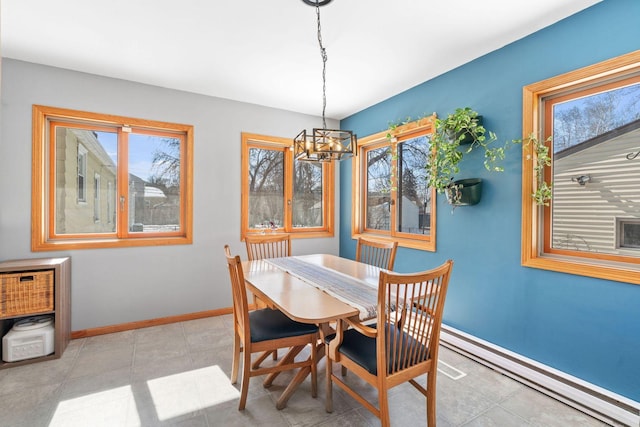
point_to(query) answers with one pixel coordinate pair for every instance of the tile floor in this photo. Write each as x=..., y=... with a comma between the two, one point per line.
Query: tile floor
x=177, y=375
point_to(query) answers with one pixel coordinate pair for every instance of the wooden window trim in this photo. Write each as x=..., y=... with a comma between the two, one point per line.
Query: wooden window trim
x=533, y=253
x=358, y=194
x=252, y=140
x=42, y=215
x=548, y=117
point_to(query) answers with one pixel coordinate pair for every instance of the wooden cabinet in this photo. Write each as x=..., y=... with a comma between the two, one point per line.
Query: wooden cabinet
x=45, y=268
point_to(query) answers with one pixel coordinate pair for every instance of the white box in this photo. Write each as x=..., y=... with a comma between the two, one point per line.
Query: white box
x=30, y=337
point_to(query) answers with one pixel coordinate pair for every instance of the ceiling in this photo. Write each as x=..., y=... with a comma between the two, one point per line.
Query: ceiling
x=266, y=52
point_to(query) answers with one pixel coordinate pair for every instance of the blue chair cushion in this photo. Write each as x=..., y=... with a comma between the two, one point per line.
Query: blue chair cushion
x=362, y=349
x=268, y=324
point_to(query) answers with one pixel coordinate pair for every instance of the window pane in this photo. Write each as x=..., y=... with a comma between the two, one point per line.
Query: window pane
x=266, y=188
x=414, y=197
x=307, y=194
x=630, y=235
x=596, y=169
x=378, y=188
x=154, y=183
x=85, y=161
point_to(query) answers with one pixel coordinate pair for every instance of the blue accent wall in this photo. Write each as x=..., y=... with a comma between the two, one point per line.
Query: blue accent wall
x=589, y=328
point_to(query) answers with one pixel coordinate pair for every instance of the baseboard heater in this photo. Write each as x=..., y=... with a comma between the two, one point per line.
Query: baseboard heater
x=602, y=404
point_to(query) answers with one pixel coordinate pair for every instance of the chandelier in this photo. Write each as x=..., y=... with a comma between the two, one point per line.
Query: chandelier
x=323, y=145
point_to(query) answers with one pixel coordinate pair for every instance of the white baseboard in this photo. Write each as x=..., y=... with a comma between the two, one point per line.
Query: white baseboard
x=586, y=397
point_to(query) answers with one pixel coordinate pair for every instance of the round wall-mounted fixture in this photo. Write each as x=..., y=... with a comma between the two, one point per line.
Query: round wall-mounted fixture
x=317, y=3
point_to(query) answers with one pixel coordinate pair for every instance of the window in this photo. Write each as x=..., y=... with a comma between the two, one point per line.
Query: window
x=96, y=197
x=136, y=172
x=592, y=117
x=82, y=172
x=628, y=233
x=391, y=199
x=283, y=194
x=111, y=202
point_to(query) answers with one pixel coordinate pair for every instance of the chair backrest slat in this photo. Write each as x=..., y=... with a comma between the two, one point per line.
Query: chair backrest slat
x=261, y=246
x=376, y=252
x=410, y=308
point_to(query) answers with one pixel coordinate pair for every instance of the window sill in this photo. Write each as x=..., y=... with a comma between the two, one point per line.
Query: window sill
x=608, y=270
x=423, y=245
x=59, y=245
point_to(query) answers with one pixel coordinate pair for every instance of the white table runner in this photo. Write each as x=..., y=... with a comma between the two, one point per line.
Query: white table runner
x=357, y=293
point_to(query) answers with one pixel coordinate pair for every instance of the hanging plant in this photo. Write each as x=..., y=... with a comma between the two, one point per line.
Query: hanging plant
x=453, y=137
x=458, y=134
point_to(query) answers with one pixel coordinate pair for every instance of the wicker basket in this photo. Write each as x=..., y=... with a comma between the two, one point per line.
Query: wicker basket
x=26, y=293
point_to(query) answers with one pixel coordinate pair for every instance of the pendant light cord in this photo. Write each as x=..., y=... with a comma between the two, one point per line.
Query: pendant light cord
x=323, y=54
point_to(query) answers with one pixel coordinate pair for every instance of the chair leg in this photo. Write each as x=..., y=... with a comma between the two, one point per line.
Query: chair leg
x=275, y=354
x=328, y=401
x=431, y=401
x=246, y=376
x=383, y=400
x=314, y=368
x=236, y=358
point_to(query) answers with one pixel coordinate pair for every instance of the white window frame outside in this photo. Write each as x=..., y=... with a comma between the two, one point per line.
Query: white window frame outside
x=96, y=197
x=82, y=174
x=620, y=223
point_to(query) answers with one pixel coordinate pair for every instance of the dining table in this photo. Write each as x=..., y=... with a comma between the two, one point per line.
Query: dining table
x=319, y=289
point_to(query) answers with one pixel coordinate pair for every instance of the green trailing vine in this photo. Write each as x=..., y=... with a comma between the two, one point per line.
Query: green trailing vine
x=461, y=132
x=542, y=159
x=394, y=125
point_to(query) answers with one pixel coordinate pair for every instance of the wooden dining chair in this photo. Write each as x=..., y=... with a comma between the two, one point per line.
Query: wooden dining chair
x=400, y=347
x=261, y=246
x=376, y=252
x=264, y=330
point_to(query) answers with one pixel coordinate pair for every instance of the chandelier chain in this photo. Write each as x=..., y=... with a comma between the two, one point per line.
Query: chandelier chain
x=323, y=145
x=323, y=54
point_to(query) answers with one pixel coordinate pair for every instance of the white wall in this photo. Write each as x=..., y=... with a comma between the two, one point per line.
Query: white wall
x=112, y=286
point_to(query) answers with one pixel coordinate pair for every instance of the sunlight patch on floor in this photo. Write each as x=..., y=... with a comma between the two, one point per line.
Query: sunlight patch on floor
x=106, y=408
x=172, y=396
x=188, y=392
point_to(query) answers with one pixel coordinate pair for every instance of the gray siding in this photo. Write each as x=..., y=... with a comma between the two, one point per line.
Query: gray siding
x=584, y=217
